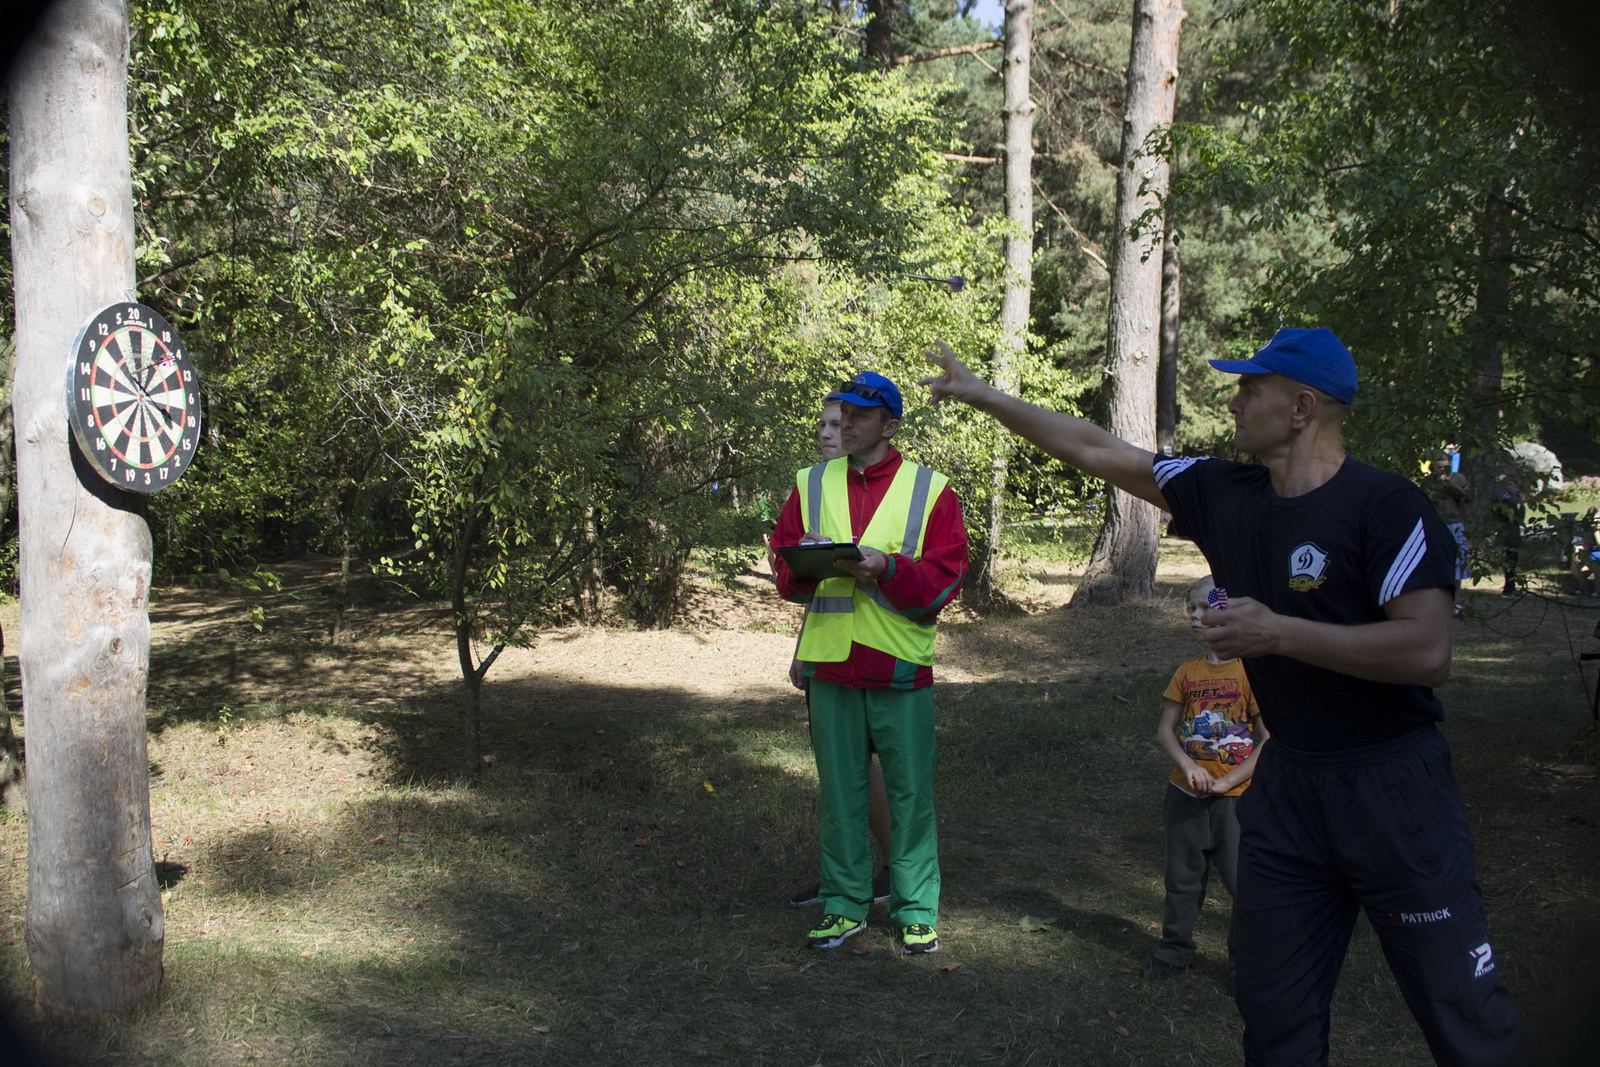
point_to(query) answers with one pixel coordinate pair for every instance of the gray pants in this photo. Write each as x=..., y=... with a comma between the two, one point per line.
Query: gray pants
x=1202, y=835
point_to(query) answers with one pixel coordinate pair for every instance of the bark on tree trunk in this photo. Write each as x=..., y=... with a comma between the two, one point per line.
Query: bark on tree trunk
x=471, y=671
x=350, y=499
x=1124, y=559
x=1016, y=305
x=587, y=586
x=1489, y=473
x=1167, y=366
x=342, y=597
x=880, y=37
x=94, y=923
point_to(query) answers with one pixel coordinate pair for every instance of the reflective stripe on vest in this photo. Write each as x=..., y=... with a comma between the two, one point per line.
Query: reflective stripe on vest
x=843, y=609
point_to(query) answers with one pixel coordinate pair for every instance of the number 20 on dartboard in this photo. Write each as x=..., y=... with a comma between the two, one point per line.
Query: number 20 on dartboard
x=133, y=398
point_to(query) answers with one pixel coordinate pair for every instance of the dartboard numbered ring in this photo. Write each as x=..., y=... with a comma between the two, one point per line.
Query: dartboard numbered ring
x=133, y=398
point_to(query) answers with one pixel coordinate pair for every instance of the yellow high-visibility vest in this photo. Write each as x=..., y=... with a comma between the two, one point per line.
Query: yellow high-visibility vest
x=843, y=609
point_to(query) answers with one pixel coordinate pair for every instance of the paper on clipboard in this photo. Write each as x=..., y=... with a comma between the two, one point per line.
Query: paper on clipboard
x=814, y=562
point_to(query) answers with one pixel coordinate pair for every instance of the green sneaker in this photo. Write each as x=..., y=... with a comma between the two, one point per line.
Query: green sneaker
x=833, y=931
x=919, y=938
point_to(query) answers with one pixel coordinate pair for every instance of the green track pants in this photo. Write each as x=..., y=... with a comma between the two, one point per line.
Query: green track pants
x=899, y=723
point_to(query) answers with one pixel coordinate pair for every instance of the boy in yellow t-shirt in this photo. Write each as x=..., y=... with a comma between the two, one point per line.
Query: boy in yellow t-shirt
x=1209, y=726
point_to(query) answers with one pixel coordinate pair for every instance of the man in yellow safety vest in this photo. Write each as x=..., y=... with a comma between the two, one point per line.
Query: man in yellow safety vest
x=867, y=649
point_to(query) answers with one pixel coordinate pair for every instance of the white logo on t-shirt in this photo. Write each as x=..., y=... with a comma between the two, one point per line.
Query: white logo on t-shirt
x=1306, y=564
x=1485, y=960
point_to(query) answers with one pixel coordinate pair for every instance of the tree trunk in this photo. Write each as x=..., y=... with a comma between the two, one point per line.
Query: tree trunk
x=1124, y=559
x=1490, y=520
x=587, y=595
x=94, y=923
x=342, y=591
x=8, y=468
x=471, y=671
x=349, y=499
x=647, y=571
x=880, y=36
x=1167, y=365
x=1015, y=306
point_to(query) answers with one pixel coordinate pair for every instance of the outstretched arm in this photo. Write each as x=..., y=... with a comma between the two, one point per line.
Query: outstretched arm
x=1086, y=446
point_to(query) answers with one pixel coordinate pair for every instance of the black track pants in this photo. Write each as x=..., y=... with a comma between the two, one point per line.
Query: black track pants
x=1382, y=829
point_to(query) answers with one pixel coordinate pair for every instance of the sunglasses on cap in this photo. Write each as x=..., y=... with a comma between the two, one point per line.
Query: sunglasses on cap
x=865, y=392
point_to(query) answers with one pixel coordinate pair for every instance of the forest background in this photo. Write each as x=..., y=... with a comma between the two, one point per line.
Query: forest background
x=526, y=303
x=525, y=307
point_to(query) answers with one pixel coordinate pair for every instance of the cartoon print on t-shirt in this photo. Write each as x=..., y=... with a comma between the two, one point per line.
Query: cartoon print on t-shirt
x=1213, y=734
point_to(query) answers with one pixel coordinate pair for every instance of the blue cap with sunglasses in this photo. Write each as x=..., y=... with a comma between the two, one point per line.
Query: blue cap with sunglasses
x=869, y=390
x=1311, y=357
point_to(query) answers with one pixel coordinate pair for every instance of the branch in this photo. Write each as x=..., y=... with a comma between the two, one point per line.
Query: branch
x=945, y=53
x=1083, y=241
x=958, y=158
x=488, y=661
x=173, y=268
x=1087, y=64
x=1521, y=207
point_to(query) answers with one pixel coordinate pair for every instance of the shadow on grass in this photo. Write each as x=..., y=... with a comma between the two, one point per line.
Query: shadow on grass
x=201, y=678
x=594, y=902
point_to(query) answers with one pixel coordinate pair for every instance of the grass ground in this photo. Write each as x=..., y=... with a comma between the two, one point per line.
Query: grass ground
x=615, y=891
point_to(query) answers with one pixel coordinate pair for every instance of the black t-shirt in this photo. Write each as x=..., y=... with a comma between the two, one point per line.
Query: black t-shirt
x=1336, y=554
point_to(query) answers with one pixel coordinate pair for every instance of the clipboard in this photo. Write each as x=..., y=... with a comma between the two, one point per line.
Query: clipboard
x=814, y=562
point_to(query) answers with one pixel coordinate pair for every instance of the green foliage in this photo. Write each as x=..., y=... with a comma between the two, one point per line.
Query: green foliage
x=544, y=294
x=538, y=298
x=8, y=562
x=1428, y=145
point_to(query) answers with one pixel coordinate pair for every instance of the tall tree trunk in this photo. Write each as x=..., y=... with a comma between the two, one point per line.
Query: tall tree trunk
x=342, y=590
x=348, y=501
x=1488, y=469
x=1124, y=559
x=472, y=672
x=94, y=923
x=587, y=584
x=880, y=35
x=1167, y=365
x=1016, y=305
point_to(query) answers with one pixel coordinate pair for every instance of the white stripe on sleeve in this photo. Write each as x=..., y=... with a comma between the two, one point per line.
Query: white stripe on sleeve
x=1405, y=564
x=1166, y=469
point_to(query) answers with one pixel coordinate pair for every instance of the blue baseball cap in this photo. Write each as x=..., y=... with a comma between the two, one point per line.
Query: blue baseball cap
x=869, y=390
x=1311, y=357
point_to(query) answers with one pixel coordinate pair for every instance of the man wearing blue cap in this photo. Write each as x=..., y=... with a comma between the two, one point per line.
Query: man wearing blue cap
x=867, y=650
x=1340, y=584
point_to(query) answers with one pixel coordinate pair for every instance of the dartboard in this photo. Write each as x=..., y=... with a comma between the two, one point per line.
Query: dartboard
x=133, y=398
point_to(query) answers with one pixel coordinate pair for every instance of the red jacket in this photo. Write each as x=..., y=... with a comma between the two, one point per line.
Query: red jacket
x=920, y=587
